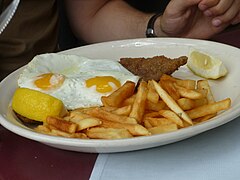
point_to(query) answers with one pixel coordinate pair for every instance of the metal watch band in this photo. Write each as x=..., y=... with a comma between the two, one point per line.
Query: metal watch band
x=150, y=26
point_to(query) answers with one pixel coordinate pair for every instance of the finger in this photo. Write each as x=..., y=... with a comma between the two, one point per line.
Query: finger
x=206, y=4
x=228, y=16
x=181, y=6
x=221, y=8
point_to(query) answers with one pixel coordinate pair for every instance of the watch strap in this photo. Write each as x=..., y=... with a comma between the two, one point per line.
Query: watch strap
x=150, y=32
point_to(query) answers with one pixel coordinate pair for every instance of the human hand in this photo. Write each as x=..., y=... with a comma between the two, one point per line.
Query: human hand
x=222, y=11
x=183, y=18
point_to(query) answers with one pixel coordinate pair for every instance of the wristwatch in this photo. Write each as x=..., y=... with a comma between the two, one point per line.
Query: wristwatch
x=150, y=26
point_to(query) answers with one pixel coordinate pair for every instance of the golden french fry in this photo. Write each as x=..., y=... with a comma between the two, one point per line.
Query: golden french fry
x=83, y=110
x=62, y=124
x=43, y=129
x=99, y=113
x=83, y=120
x=202, y=91
x=163, y=129
x=152, y=114
x=188, y=84
x=108, y=133
x=104, y=101
x=80, y=135
x=152, y=95
x=108, y=108
x=77, y=115
x=134, y=129
x=86, y=123
x=56, y=132
x=166, y=77
x=209, y=108
x=171, y=103
x=203, y=118
x=169, y=87
x=203, y=84
x=118, y=96
x=188, y=93
x=129, y=101
x=186, y=103
x=200, y=102
x=171, y=116
x=158, y=121
x=138, y=107
x=155, y=106
x=124, y=111
x=147, y=123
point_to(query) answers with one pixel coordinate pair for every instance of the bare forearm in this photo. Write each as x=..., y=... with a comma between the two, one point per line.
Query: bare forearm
x=104, y=20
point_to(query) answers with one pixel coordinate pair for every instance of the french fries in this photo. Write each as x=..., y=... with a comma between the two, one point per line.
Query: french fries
x=188, y=93
x=209, y=108
x=102, y=114
x=152, y=95
x=148, y=109
x=108, y=133
x=62, y=124
x=171, y=103
x=172, y=116
x=203, y=85
x=163, y=128
x=170, y=88
x=139, y=102
x=118, y=96
x=134, y=129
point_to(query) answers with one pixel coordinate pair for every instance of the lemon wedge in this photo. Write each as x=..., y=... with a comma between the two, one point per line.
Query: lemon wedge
x=36, y=105
x=205, y=65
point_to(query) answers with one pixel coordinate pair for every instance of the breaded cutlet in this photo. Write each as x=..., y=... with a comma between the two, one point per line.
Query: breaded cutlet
x=154, y=67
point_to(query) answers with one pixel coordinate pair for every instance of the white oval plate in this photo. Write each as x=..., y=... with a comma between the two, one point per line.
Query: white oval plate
x=170, y=47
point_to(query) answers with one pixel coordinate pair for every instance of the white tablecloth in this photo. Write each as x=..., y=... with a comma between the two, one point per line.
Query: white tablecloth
x=213, y=155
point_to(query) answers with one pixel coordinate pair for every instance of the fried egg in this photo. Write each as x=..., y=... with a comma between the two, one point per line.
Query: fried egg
x=75, y=80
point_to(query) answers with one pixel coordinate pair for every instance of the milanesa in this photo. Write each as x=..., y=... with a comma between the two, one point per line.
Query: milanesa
x=154, y=67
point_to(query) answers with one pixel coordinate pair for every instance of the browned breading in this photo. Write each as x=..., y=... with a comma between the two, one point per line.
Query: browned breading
x=153, y=68
x=26, y=120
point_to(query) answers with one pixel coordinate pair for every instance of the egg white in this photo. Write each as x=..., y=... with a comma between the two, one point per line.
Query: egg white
x=76, y=69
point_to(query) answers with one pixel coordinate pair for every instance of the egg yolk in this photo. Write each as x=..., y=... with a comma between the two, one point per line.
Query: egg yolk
x=49, y=81
x=103, y=83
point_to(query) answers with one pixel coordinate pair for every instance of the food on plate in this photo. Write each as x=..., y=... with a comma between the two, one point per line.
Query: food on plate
x=205, y=65
x=154, y=67
x=77, y=81
x=35, y=105
x=122, y=93
x=108, y=133
x=76, y=97
x=142, y=113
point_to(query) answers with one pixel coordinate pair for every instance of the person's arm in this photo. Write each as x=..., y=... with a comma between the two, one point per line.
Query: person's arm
x=103, y=20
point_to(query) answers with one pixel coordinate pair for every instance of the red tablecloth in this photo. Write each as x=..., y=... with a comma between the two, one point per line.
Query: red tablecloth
x=24, y=159
x=21, y=158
